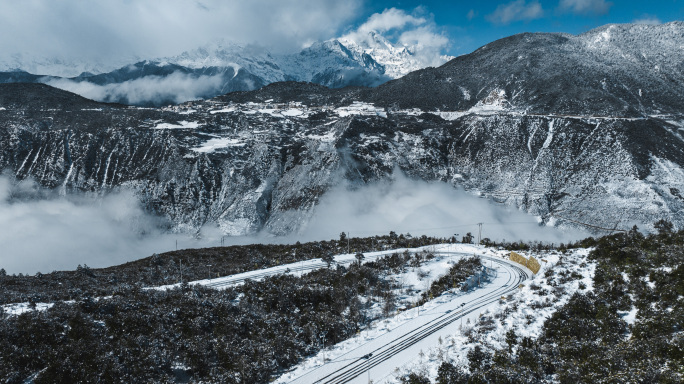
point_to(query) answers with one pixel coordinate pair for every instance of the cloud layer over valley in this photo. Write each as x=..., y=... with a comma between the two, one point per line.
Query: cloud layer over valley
x=42, y=231
x=417, y=207
x=154, y=90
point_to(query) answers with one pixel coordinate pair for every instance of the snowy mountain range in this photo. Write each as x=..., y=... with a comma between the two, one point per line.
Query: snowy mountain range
x=222, y=67
x=583, y=130
x=65, y=67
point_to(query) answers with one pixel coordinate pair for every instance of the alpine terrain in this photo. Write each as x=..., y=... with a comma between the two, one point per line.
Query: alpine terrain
x=579, y=130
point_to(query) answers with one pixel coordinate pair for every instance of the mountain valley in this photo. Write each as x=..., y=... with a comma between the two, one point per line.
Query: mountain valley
x=261, y=160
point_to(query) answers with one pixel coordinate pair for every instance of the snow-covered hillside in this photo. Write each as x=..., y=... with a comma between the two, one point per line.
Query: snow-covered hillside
x=252, y=166
x=523, y=312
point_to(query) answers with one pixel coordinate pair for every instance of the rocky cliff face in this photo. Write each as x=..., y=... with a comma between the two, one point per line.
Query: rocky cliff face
x=579, y=147
x=264, y=166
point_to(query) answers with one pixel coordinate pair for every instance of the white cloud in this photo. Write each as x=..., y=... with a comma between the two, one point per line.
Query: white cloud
x=518, y=10
x=471, y=14
x=389, y=19
x=41, y=231
x=648, y=19
x=585, y=7
x=112, y=30
x=176, y=87
x=428, y=47
x=423, y=36
x=418, y=207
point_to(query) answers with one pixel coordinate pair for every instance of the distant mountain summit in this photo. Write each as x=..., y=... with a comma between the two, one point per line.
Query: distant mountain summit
x=397, y=59
x=334, y=63
x=223, y=67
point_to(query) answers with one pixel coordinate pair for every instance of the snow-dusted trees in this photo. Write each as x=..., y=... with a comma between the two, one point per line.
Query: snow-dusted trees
x=511, y=339
x=414, y=378
x=162, y=269
x=328, y=258
x=457, y=274
x=244, y=334
x=359, y=257
x=624, y=330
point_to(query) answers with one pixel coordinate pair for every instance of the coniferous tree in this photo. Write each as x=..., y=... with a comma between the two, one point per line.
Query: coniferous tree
x=328, y=258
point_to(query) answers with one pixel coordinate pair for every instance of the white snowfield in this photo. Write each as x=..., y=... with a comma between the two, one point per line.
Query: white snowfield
x=377, y=354
x=495, y=104
x=181, y=125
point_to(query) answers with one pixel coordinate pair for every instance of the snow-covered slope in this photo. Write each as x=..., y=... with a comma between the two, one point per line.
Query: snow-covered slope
x=442, y=329
x=223, y=54
x=615, y=70
x=332, y=64
x=254, y=166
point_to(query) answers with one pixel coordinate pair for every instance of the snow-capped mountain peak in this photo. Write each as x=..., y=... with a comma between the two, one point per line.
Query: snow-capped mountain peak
x=333, y=63
x=397, y=58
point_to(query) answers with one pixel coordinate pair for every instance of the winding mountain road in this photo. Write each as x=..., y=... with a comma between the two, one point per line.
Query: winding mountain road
x=378, y=358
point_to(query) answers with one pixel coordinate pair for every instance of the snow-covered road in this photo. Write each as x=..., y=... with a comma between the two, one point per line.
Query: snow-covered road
x=296, y=268
x=377, y=358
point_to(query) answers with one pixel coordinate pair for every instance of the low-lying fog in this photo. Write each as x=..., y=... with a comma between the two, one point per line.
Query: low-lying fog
x=43, y=231
x=417, y=207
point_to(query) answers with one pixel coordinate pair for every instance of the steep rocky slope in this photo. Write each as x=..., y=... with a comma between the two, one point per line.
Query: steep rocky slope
x=253, y=166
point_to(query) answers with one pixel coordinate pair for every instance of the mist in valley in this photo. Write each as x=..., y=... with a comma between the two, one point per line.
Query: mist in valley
x=43, y=231
x=417, y=207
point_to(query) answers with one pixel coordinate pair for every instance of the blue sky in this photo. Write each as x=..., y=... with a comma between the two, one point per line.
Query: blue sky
x=471, y=24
